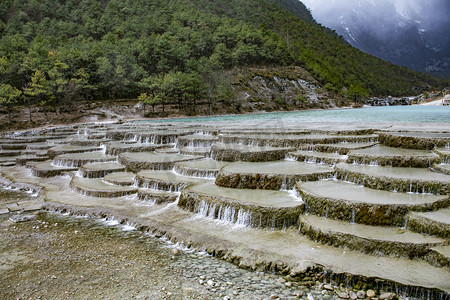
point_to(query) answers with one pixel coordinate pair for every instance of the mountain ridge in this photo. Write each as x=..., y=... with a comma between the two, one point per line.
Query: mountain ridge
x=177, y=52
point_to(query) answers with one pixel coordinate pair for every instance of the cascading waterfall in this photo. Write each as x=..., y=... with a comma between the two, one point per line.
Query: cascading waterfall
x=224, y=213
x=64, y=163
x=205, y=174
x=244, y=218
x=160, y=186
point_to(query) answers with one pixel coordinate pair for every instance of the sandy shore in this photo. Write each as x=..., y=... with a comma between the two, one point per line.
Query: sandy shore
x=433, y=103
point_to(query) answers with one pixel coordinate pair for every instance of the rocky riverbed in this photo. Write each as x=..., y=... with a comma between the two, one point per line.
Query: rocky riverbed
x=55, y=256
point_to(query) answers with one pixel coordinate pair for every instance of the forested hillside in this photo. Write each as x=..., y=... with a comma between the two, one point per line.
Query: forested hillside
x=54, y=52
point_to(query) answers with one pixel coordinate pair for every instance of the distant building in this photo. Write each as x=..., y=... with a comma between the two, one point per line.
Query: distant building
x=446, y=100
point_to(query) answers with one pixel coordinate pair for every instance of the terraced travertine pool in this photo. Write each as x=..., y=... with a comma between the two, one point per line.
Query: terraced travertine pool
x=287, y=198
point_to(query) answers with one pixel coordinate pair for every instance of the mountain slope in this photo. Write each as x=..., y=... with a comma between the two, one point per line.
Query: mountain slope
x=178, y=51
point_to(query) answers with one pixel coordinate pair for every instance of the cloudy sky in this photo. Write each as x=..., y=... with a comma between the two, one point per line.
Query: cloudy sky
x=432, y=13
x=412, y=33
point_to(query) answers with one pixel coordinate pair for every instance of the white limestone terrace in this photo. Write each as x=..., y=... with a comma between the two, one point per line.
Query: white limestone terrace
x=250, y=214
x=317, y=157
x=394, y=157
x=402, y=179
x=273, y=175
x=137, y=161
x=204, y=168
x=100, y=169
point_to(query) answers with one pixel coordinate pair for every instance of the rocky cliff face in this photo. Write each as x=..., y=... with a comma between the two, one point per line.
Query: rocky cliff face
x=285, y=88
x=408, y=33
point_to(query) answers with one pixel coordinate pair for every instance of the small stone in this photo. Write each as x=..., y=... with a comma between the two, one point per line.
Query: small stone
x=310, y=297
x=343, y=295
x=22, y=218
x=361, y=294
x=229, y=283
x=210, y=282
x=352, y=295
x=289, y=278
x=274, y=296
x=328, y=287
x=371, y=293
x=4, y=211
x=282, y=280
x=288, y=284
x=299, y=294
x=226, y=298
x=387, y=296
x=203, y=277
x=175, y=251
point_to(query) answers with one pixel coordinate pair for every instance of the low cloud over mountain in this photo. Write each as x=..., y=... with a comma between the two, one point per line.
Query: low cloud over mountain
x=412, y=33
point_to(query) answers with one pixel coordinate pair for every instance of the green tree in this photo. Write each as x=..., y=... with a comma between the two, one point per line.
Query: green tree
x=37, y=91
x=57, y=83
x=150, y=99
x=9, y=96
x=356, y=92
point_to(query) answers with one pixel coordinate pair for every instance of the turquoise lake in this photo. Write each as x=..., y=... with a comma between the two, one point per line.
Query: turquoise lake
x=390, y=114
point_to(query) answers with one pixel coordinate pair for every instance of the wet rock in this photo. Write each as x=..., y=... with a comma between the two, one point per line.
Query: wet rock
x=175, y=251
x=387, y=296
x=22, y=218
x=353, y=295
x=289, y=278
x=310, y=297
x=298, y=294
x=361, y=294
x=328, y=287
x=371, y=293
x=4, y=211
x=343, y=295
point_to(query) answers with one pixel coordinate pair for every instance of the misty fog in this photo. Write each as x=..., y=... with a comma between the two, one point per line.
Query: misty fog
x=429, y=15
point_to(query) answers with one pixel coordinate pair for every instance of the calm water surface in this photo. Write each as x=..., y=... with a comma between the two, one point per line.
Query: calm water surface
x=396, y=114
